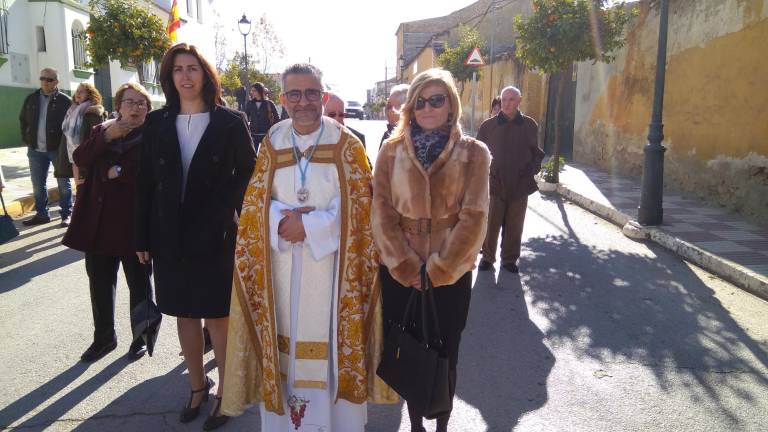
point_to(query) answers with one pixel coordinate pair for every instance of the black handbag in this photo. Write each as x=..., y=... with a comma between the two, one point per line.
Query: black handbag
x=7, y=228
x=417, y=369
x=145, y=321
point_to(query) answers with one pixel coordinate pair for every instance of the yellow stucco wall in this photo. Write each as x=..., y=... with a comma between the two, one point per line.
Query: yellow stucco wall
x=494, y=77
x=715, y=106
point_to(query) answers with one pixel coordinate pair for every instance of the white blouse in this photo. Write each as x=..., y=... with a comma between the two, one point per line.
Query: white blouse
x=189, y=129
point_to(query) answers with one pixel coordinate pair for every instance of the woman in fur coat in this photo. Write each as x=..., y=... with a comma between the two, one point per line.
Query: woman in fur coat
x=430, y=205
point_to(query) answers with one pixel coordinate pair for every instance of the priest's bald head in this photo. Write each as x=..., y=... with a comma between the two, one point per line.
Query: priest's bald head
x=334, y=108
x=303, y=96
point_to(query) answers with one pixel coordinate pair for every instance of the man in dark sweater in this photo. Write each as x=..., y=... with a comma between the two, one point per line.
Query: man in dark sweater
x=512, y=138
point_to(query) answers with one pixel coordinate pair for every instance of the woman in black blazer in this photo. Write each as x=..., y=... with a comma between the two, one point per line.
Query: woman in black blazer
x=197, y=157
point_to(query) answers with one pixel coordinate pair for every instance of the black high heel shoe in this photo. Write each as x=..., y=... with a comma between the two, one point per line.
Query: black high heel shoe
x=215, y=418
x=190, y=413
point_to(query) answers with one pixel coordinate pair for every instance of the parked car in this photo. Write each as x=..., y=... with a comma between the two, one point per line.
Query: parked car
x=354, y=110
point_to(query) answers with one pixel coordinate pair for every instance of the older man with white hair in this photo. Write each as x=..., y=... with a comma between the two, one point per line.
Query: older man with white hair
x=392, y=110
x=334, y=109
x=512, y=138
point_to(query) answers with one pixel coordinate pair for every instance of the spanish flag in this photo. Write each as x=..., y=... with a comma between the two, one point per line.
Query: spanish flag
x=173, y=21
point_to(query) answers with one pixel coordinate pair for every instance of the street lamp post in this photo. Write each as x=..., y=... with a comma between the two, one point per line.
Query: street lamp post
x=650, y=211
x=401, y=63
x=244, y=25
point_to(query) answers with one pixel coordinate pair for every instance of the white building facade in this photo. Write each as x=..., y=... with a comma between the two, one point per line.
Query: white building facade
x=35, y=34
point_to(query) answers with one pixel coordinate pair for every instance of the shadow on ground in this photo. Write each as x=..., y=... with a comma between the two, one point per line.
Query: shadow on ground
x=613, y=306
x=504, y=364
x=18, y=250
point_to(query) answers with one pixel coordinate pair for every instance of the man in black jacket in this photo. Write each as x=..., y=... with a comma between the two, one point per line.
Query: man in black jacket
x=395, y=103
x=334, y=109
x=40, y=120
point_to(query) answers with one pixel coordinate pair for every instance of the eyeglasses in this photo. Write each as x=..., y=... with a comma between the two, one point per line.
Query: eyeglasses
x=435, y=101
x=334, y=114
x=311, y=95
x=46, y=79
x=130, y=103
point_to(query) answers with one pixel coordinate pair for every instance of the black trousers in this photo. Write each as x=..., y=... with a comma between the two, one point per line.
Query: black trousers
x=102, y=280
x=452, y=304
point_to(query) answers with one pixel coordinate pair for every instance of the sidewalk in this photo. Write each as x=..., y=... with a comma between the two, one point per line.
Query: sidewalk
x=18, y=190
x=710, y=237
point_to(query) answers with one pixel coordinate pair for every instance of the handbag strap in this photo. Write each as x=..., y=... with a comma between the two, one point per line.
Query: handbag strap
x=5, y=212
x=428, y=296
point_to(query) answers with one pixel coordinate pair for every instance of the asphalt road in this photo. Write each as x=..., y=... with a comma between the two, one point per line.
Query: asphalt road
x=597, y=333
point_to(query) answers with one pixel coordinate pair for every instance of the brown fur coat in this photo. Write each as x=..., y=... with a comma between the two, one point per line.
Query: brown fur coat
x=455, y=184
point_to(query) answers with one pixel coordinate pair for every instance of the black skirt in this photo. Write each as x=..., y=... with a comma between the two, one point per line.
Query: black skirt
x=196, y=286
x=451, y=301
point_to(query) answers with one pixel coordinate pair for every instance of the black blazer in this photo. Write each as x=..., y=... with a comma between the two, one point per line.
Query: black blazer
x=205, y=222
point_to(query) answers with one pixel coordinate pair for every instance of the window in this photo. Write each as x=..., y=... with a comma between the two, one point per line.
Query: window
x=79, y=40
x=3, y=29
x=191, y=8
x=40, y=30
x=200, y=11
x=152, y=72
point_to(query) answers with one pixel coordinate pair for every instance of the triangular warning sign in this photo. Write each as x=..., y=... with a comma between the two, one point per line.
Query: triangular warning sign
x=474, y=58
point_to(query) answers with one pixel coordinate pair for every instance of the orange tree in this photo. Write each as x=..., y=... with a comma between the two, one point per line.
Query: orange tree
x=125, y=31
x=560, y=33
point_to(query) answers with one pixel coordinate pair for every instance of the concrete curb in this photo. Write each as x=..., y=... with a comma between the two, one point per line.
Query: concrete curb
x=739, y=275
x=20, y=206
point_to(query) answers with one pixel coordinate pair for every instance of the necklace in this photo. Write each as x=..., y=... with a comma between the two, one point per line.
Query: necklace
x=303, y=193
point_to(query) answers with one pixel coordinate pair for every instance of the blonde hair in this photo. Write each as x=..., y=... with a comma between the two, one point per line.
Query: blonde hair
x=93, y=94
x=422, y=80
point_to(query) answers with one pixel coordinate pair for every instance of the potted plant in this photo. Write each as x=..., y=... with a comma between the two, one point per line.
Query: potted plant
x=548, y=174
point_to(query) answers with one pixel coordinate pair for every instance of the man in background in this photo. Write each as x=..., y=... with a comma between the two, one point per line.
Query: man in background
x=334, y=109
x=40, y=119
x=392, y=110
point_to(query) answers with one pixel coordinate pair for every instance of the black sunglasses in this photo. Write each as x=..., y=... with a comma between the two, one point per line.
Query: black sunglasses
x=334, y=114
x=435, y=101
x=311, y=95
x=46, y=79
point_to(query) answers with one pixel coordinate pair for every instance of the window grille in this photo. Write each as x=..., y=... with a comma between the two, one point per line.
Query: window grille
x=151, y=72
x=79, y=43
x=4, y=29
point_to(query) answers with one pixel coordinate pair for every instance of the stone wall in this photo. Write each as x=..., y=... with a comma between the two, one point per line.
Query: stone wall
x=715, y=107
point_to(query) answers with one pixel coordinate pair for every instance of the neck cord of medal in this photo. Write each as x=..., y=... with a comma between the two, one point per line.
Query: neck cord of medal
x=303, y=194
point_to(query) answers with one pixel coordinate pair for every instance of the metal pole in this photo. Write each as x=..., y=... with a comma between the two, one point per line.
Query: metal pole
x=650, y=211
x=245, y=63
x=386, y=93
x=474, y=100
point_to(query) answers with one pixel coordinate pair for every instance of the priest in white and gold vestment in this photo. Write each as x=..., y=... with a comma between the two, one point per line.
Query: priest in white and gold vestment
x=305, y=320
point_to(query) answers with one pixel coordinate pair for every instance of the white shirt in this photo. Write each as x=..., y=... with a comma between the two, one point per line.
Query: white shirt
x=189, y=129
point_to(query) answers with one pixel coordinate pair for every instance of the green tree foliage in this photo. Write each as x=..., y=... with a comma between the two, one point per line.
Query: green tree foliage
x=452, y=59
x=231, y=78
x=563, y=32
x=125, y=31
x=560, y=33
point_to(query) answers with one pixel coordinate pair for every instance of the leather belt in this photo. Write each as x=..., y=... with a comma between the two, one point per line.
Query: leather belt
x=426, y=226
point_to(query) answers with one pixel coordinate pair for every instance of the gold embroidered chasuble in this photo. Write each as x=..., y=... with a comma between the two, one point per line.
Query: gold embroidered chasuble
x=252, y=368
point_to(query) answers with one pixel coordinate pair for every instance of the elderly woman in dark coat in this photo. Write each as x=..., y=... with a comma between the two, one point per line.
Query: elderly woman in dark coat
x=102, y=222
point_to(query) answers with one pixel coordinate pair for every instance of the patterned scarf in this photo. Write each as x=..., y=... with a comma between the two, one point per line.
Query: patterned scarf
x=429, y=144
x=73, y=122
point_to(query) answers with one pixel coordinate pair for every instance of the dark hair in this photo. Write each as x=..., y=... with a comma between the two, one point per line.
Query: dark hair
x=211, y=83
x=259, y=88
x=496, y=101
x=303, y=69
